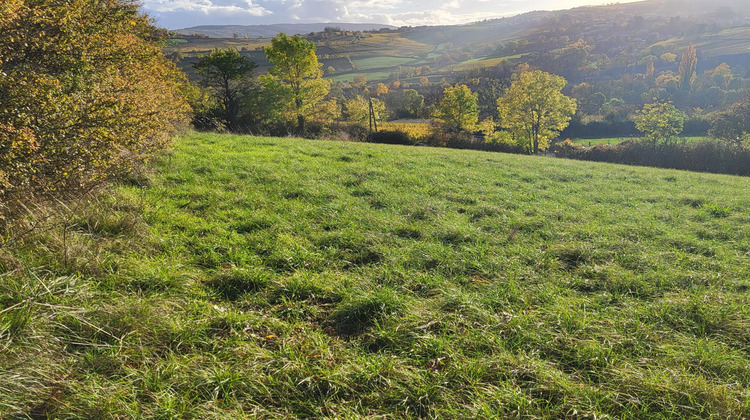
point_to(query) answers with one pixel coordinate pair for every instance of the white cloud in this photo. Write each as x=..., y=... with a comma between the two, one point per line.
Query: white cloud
x=175, y=14
x=207, y=6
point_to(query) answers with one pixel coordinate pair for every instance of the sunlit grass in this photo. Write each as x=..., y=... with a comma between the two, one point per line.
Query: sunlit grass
x=282, y=278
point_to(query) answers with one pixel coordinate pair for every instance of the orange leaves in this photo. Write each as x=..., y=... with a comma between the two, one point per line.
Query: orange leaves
x=87, y=94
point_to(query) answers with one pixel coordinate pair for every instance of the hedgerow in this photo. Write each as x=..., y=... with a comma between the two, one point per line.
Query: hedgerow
x=85, y=94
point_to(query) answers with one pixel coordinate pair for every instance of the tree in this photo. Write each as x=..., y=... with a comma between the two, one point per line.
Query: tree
x=659, y=122
x=688, y=64
x=228, y=75
x=412, y=102
x=534, y=109
x=86, y=94
x=732, y=124
x=358, y=109
x=458, y=110
x=668, y=57
x=381, y=89
x=295, y=75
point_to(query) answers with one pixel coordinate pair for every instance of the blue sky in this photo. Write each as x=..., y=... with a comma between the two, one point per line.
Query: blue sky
x=176, y=14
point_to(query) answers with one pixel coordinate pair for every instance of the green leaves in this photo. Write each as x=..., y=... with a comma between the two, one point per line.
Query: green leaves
x=534, y=110
x=659, y=122
x=458, y=111
x=296, y=76
x=86, y=94
x=227, y=75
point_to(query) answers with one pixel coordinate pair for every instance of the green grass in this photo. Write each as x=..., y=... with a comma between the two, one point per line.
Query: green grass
x=258, y=277
x=372, y=63
x=484, y=62
x=369, y=75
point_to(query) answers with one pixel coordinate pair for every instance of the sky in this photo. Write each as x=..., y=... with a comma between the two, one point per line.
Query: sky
x=178, y=14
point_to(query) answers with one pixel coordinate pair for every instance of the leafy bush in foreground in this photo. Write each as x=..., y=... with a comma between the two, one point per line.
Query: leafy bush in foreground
x=86, y=93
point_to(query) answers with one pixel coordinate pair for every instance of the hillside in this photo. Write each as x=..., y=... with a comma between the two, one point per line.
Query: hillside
x=261, y=31
x=629, y=31
x=267, y=278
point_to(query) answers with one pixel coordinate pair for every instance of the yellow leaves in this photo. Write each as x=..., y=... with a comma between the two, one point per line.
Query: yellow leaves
x=458, y=110
x=534, y=109
x=88, y=97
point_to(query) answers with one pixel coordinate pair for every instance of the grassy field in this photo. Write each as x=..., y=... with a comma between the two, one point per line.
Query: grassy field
x=484, y=62
x=272, y=278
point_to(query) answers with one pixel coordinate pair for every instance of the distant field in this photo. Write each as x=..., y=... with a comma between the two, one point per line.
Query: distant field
x=371, y=63
x=484, y=62
x=208, y=44
x=284, y=278
x=370, y=75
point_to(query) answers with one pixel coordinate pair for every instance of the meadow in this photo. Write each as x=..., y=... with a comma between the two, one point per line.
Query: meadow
x=278, y=278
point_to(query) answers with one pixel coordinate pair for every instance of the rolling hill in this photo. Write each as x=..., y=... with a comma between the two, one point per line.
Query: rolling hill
x=261, y=31
x=627, y=32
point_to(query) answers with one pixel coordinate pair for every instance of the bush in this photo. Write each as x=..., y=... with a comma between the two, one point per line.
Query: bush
x=702, y=156
x=390, y=137
x=86, y=94
x=473, y=142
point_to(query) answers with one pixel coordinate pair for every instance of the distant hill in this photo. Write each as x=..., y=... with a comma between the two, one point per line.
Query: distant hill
x=258, y=31
x=638, y=41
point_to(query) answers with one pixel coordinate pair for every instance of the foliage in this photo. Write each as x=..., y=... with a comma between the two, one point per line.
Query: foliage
x=326, y=111
x=415, y=130
x=357, y=280
x=407, y=103
x=699, y=155
x=688, y=64
x=358, y=110
x=295, y=76
x=458, y=110
x=85, y=91
x=228, y=75
x=534, y=109
x=732, y=124
x=660, y=122
x=390, y=137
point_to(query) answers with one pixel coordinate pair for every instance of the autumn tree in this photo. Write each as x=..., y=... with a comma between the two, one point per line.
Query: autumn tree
x=659, y=122
x=85, y=91
x=228, y=75
x=458, y=110
x=534, y=110
x=295, y=76
x=381, y=89
x=688, y=64
x=358, y=109
x=733, y=124
x=412, y=102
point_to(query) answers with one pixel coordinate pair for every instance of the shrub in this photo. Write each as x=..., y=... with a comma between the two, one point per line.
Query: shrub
x=702, y=156
x=86, y=94
x=390, y=137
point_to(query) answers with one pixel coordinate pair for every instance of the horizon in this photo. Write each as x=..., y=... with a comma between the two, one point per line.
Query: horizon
x=182, y=14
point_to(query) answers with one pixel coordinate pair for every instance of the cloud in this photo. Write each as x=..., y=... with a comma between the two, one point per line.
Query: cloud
x=174, y=14
x=207, y=6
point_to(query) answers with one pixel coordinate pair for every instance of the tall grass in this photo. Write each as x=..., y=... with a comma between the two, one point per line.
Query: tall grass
x=279, y=278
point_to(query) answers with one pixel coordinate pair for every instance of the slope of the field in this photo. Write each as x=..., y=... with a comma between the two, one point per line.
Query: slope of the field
x=259, y=277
